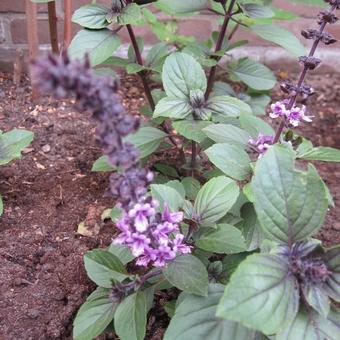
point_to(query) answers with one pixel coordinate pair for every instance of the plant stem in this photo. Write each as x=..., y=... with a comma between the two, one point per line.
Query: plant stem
x=302, y=77
x=144, y=79
x=218, y=47
x=193, y=157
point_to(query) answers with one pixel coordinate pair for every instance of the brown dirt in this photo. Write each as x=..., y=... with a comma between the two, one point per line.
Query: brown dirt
x=47, y=194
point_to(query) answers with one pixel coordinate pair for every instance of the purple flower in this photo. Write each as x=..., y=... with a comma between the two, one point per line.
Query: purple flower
x=170, y=217
x=278, y=110
x=153, y=237
x=140, y=213
x=262, y=143
x=138, y=244
x=296, y=114
x=179, y=246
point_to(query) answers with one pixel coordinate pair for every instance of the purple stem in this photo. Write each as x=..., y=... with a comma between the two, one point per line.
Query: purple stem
x=301, y=80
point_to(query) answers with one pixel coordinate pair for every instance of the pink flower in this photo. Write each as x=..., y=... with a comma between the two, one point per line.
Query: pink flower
x=262, y=143
x=278, y=110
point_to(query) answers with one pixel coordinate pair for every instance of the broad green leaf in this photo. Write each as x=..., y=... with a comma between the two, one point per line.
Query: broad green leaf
x=170, y=308
x=98, y=44
x=167, y=195
x=130, y=317
x=280, y=36
x=250, y=227
x=226, y=107
x=231, y=262
x=214, y=200
x=94, y=315
x=178, y=186
x=226, y=133
x=332, y=260
x=316, y=296
x=134, y=68
x=261, y=294
x=188, y=273
x=166, y=170
x=324, y=154
x=312, y=326
x=258, y=104
x=291, y=204
x=191, y=129
x=175, y=108
x=195, y=319
x=182, y=7
x=320, y=3
x=192, y=186
x=104, y=268
x=182, y=74
x=12, y=143
x=122, y=252
x=91, y=16
x=157, y=55
x=226, y=239
x=131, y=14
x=147, y=140
x=102, y=165
x=106, y=71
x=231, y=159
x=254, y=125
x=257, y=11
x=253, y=74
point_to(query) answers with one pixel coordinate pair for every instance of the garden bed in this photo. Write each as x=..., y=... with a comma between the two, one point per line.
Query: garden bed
x=52, y=189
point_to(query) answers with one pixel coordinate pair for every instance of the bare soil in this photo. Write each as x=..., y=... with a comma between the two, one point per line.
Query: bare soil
x=52, y=189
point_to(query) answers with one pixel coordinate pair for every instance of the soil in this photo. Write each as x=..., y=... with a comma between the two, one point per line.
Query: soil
x=52, y=189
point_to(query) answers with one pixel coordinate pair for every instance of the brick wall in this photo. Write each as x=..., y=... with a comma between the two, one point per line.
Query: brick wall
x=13, y=33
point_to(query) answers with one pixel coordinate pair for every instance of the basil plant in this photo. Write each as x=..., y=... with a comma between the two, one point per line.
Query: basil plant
x=216, y=210
x=11, y=145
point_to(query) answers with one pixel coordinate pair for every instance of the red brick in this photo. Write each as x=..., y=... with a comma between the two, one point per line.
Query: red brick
x=19, y=31
x=18, y=6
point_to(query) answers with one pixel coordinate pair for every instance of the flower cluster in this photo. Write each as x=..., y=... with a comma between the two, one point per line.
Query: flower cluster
x=293, y=116
x=152, y=236
x=97, y=94
x=262, y=143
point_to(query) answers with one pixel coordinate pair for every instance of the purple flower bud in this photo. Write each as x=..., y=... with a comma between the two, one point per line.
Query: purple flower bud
x=262, y=143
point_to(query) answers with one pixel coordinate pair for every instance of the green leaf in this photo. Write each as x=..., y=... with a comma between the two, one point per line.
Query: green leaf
x=94, y=315
x=195, y=319
x=231, y=262
x=253, y=74
x=1, y=206
x=104, y=268
x=316, y=297
x=257, y=11
x=224, y=107
x=170, y=308
x=332, y=260
x=99, y=45
x=175, y=108
x=280, y=36
x=178, y=186
x=254, y=125
x=250, y=227
x=182, y=7
x=231, y=159
x=147, y=140
x=102, y=165
x=157, y=55
x=192, y=186
x=188, y=273
x=226, y=133
x=122, y=252
x=131, y=14
x=106, y=71
x=134, y=68
x=214, y=200
x=312, y=326
x=166, y=170
x=182, y=74
x=261, y=294
x=130, y=317
x=258, y=104
x=191, y=129
x=12, y=143
x=226, y=239
x=91, y=16
x=167, y=195
x=290, y=204
x=324, y=154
